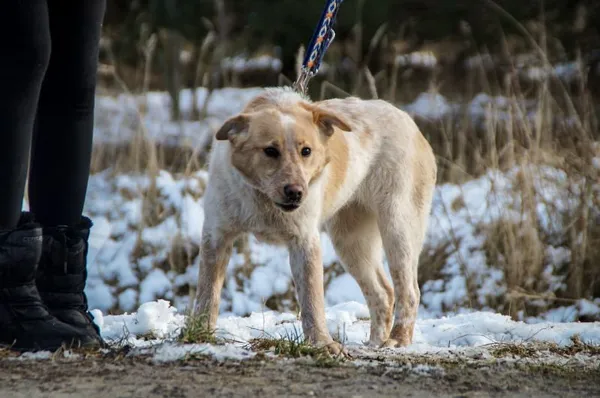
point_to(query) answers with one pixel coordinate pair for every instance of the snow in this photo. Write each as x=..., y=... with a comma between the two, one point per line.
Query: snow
x=44, y=355
x=156, y=318
x=34, y=356
x=531, y=67
x=348, y=322
x=343, y=289
x=156, y=284
x=127, y=299
x=118, y=120
x=427, y=370
x=241, y=63
x=429, y=106
x=483, y=61
x=567, y=71
x=173, y=352
x=133, y=264
x=528, y=66
x=569, y=313
x=424, y=59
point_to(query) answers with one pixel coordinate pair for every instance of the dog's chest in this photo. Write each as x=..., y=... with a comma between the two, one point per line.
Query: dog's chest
x=271, y=238
x=273, y=228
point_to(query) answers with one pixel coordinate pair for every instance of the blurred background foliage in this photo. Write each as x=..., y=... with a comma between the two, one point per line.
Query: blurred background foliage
x=493, y=85
x=280, y=27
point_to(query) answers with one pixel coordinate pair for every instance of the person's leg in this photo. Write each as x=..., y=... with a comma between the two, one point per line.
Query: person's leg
x=25, y=323
x=62, y=143
x=25, y=49
x=61, y=155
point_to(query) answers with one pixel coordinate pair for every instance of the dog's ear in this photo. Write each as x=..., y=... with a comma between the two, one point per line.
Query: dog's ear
x=326, y=120
x=233, y=126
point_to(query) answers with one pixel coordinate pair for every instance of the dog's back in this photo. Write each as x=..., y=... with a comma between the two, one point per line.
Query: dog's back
x=384, y=152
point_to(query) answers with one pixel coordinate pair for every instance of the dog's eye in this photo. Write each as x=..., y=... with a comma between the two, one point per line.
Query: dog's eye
x=271, y=152
x=306, y=151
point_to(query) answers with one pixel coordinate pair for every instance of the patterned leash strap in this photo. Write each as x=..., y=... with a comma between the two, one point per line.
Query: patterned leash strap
x=318, y=45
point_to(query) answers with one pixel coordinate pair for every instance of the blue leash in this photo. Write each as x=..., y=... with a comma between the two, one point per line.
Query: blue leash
x=318, y=45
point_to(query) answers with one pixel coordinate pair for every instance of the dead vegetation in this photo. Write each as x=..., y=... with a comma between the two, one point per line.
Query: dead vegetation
x=525, y=128
x=196, y=330
x=524, y=350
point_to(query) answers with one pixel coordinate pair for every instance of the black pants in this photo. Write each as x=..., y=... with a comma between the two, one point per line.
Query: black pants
x=48, y=64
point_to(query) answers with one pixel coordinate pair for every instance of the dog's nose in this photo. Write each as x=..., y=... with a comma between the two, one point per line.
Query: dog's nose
x=293, y=192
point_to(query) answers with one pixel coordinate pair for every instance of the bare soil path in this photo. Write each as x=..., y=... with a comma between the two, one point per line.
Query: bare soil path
x=111, y=376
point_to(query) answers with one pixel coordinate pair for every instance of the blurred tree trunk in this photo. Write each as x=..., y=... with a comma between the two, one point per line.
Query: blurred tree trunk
x=172, y=43
x=218, y=39
x=223, y=25
x=203, y=67
x=223, y=21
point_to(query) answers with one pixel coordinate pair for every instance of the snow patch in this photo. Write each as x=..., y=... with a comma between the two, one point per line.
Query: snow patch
x=123, y=261
x=429, y=106
x=424, y=59
x=172, y=352
x=348, y=322
x=33, y=356
x=241, y=63
x=156, y=318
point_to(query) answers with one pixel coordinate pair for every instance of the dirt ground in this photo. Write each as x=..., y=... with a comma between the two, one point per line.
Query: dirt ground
x=108, y=376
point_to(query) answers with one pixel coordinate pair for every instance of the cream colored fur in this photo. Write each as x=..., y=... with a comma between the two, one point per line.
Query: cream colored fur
x=373, y=196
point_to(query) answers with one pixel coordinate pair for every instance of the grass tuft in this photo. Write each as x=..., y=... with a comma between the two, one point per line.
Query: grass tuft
x=196, y=330
x=294, y=345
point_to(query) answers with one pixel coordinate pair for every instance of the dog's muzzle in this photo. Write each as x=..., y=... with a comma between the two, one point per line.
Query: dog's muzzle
x=293, y=194
x=288, y=207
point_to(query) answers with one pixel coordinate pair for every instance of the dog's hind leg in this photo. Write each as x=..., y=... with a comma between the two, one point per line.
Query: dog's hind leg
x=401, y=228
x=357, y=241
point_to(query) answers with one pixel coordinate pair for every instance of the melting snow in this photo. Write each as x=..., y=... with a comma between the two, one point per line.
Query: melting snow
x=120, y=281
x=348, y=321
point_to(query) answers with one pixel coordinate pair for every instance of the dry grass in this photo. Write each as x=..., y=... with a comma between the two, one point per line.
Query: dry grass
x=560, y=130
x=293, y=345
x=7, y=353
x=524, y=350
x=196, y=330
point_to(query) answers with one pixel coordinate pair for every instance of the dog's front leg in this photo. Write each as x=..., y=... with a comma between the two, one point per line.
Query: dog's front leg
x=215, y=254
x=307, y=270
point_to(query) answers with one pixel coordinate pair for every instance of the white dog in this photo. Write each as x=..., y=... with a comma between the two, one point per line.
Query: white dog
x=286, y=168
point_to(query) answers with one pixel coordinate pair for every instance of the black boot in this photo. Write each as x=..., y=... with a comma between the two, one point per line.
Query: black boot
x=25, y=323
x=62, y=274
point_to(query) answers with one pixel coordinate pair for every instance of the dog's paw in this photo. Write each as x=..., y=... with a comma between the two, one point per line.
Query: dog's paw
x=400, y=336
x=374, y=343
x=335, y=349
x=394, y=343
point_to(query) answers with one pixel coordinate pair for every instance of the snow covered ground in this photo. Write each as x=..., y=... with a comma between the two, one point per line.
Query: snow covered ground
x=528, y=66
x=118, y=119
x=137, y=262
x=132, y=263
x=464, y=334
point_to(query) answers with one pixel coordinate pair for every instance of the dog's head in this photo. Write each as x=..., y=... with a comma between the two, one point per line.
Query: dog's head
x=281, y=153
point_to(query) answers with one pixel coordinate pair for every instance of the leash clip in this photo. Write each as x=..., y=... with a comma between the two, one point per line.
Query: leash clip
x=301, y=84
x=318, y=45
